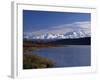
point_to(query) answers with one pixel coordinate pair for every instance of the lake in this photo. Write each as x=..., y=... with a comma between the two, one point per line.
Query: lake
x=67, y=56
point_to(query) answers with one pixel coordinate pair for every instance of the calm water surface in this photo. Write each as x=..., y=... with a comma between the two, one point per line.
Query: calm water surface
x=67, y=56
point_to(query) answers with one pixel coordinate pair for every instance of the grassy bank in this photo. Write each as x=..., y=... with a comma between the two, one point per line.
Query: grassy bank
x=32, y=61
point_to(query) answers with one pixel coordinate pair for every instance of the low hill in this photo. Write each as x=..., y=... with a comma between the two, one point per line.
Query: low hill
x=76, y=41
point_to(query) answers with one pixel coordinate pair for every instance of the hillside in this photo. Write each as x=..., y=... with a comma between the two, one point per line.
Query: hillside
x=76, y=41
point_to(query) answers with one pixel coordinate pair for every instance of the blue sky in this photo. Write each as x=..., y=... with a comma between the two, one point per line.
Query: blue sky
x=39, y=22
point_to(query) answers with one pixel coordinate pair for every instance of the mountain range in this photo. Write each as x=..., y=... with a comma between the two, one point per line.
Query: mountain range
x=68, y=35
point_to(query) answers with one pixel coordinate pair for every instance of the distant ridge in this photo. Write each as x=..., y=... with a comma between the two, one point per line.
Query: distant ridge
x=78, y=41
x=75, y=41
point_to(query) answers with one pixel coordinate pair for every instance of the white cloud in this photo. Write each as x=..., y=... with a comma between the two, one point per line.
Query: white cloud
x=64, y=28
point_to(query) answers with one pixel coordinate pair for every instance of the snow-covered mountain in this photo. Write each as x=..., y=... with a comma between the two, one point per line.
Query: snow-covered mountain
x=74, y=34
